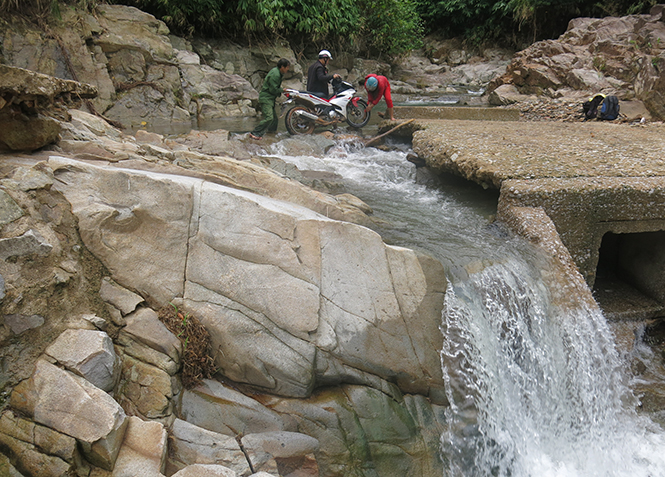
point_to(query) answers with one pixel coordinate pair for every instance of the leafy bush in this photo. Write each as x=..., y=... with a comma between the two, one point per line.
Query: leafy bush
x=516, y=22
x=390, y=27
x=186, y=17
x=387, y=26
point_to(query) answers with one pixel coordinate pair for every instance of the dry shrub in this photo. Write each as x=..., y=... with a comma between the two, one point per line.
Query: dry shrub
x=41, y=10
x=28, y=8
x=197, y=362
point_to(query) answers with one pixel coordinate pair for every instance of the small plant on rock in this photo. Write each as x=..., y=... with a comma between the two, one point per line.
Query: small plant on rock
x=197, y=361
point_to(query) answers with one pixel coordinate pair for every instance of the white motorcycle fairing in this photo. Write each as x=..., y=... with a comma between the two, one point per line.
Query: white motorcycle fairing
x=310, y=110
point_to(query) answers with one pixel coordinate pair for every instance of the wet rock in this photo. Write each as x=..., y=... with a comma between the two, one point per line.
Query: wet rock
x=348, y=421
x=316, y=145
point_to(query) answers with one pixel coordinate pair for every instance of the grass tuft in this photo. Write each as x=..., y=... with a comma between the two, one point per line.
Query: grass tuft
x=197, y=361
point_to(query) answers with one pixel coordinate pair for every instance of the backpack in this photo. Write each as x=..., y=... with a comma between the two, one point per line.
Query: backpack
x=609, y=109
x=590, y=107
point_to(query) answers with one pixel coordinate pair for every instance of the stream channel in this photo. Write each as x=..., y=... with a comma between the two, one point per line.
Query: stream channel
x=536, y=390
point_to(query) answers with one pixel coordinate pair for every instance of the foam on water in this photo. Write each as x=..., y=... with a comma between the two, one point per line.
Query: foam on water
x=535, y=390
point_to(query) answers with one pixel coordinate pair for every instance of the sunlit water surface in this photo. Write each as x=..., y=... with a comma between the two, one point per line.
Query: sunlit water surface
x=535, y=390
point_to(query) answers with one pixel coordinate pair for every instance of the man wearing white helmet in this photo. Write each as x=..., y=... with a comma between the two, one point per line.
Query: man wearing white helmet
x=317, y=75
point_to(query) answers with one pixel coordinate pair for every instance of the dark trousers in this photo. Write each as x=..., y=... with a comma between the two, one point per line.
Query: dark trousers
x=270, y=118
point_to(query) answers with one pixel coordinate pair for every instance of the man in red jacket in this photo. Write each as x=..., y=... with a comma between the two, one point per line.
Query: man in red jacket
x=377, y=86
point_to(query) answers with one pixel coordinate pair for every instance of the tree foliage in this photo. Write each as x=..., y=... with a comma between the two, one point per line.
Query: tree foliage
x=387, y=26
x=378, y=28
x=516, y=22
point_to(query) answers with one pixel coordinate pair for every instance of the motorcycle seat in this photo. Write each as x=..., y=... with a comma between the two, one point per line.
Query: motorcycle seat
x=316, y=93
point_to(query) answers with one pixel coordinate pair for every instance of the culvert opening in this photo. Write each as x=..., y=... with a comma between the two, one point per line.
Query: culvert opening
x=630, y=278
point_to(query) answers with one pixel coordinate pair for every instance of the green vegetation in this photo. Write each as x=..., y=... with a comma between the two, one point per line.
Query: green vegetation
x=377, y=28
x=516, y=23
x=389, y=27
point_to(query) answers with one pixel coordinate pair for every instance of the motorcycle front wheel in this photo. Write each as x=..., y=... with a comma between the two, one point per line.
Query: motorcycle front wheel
x=297, y=124
x=356, y=115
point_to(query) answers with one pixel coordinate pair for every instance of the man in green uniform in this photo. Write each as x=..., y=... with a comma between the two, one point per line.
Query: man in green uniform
x=270, y=91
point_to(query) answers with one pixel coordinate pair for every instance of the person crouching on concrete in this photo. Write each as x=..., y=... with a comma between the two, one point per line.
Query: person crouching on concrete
x=270, y=91
x=377, y=86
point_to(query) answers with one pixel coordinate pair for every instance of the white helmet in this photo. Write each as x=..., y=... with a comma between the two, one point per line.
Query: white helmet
x=325, y=54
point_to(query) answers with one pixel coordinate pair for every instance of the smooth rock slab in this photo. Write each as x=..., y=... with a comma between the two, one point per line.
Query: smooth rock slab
x=221, y=409
x=291, y=298
x=192, y=444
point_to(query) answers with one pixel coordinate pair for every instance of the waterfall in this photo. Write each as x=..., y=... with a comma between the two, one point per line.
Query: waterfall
x=536, y=388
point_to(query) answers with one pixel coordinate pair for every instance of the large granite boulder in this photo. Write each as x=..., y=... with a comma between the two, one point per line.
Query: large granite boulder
x=363, y=431
x=28, y=100
x=445, y=68
x=127, y=55
x=252, y=63
x=215, y=94
x=292, y=299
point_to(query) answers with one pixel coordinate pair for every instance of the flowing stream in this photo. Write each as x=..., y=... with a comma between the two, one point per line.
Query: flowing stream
x=536, y=389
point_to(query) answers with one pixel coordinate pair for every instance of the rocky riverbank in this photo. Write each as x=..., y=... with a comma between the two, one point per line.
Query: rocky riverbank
x=102, y=230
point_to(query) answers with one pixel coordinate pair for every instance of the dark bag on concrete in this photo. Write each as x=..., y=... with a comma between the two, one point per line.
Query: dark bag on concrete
x=609, y=109
x=590, y=107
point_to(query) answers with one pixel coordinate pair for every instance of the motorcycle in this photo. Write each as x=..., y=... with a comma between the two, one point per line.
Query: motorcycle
x=310, y=111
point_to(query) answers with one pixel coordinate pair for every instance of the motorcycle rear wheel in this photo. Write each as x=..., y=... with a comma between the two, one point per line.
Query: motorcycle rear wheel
x=356, y=115
x=296, y=124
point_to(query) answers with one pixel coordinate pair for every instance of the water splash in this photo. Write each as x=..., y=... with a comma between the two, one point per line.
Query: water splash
x=536, y=391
